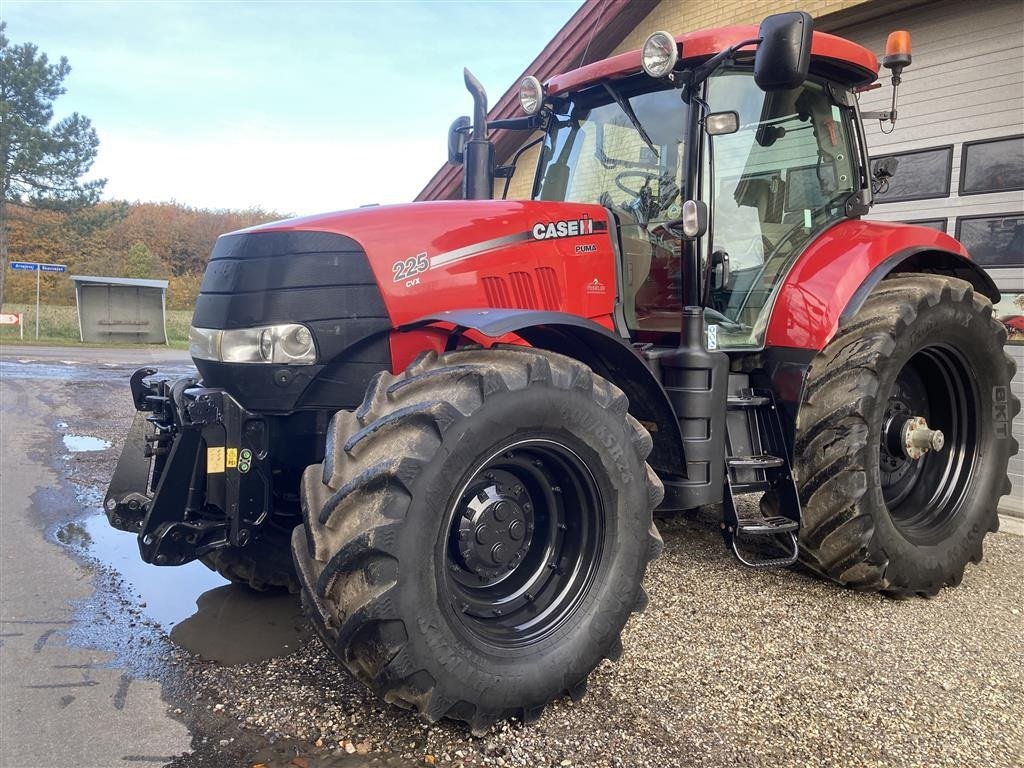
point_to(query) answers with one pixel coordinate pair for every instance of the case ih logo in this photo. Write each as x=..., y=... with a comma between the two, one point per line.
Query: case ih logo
x=564, y=228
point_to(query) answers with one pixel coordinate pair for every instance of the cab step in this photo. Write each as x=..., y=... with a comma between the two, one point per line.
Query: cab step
x=757, y=461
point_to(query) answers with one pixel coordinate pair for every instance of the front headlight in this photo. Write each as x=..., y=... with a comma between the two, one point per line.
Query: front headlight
x=285, y=343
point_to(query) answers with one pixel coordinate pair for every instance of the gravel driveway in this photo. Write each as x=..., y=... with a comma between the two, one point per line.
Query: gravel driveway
x=727, y=667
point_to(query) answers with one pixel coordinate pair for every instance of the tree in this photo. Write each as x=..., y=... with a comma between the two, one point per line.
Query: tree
x=140, y=261
x=41, y=164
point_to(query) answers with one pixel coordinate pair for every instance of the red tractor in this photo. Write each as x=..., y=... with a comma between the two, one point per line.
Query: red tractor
x=461, y=416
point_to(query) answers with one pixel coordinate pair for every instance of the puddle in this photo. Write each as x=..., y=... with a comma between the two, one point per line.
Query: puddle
x=204, y=614
x=236, y=625
x=169, y=594
x=82, y=443
x=82, y=372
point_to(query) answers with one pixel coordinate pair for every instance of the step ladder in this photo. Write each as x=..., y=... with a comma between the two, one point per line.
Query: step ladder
x=757, y=461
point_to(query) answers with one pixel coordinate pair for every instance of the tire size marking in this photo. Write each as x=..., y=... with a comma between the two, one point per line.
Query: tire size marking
x=404, y=269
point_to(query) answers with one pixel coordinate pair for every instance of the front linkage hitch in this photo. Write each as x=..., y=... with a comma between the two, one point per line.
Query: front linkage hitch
x=197, y=479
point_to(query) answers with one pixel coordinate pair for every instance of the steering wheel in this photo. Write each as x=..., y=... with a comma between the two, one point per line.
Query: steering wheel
x=646, y=175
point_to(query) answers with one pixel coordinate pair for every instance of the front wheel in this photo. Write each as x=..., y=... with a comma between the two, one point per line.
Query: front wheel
x=265, y=564
x=903, y=438
x=476, y=537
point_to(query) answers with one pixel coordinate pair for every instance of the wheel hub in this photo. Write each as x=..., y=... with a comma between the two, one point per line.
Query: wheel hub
x=907, y=437
x=495, y=530
x=917, y=438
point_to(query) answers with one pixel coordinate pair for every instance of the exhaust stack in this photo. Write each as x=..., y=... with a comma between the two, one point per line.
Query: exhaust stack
x=478, y=170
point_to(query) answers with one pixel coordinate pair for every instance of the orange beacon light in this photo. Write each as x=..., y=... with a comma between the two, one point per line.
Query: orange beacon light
x=897, y=52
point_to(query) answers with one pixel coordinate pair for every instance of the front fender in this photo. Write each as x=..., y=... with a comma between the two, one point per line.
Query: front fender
x=832, y=278
x=605, y=353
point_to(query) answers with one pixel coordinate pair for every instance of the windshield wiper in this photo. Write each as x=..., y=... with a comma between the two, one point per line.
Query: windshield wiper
x=628, y=110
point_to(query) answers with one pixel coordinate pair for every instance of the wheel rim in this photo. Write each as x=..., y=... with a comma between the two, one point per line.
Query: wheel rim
x=925, y=496
x=523, y=540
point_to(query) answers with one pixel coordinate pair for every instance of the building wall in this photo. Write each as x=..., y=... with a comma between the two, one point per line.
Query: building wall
x=678, y=17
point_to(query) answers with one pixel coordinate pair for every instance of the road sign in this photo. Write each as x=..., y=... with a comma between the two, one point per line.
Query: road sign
x=14, y=318
x=31, y=266
x=38, y=268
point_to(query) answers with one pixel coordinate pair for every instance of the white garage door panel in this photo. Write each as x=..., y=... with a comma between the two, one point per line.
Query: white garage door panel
x=966, y=83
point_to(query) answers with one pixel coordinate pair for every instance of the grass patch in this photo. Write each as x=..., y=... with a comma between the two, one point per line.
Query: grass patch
x=58, y=325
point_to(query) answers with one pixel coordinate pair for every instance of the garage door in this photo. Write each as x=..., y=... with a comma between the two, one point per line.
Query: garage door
x=960, y=143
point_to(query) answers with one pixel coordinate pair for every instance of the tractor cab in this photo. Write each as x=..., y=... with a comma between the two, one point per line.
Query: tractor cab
x=773, y=161
x=782, y=168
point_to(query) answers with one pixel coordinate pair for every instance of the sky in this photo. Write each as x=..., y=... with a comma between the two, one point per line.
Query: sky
x=295, y=107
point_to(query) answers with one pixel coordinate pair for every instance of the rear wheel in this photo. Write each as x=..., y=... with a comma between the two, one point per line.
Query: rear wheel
x=903, y=438
x=478, y=533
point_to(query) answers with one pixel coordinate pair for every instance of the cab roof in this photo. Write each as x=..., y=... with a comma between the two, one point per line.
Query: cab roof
x=832, y=56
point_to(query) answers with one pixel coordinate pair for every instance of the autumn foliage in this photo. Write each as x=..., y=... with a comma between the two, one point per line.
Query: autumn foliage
x=157, y=240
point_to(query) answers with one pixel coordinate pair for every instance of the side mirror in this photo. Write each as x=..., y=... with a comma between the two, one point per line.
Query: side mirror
x=457, y=140
x=784, y=55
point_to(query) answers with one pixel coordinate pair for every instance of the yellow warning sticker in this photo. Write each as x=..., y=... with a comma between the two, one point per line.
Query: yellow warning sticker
x=215, y=460
x=232, y=458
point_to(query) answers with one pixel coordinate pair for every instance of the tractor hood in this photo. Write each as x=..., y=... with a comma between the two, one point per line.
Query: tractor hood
x=441, y=255
x=354, y=277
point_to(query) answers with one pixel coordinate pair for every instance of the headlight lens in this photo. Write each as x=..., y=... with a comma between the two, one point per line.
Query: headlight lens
x=660, y=54
x=285, y=343
x=531, y=95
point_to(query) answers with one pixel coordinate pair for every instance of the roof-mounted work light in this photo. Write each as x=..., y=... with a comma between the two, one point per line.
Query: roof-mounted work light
x=659, y=55
x=531, y=95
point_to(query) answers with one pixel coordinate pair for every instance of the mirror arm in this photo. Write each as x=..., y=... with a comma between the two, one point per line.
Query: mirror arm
x=889, y=116
x=531, y=123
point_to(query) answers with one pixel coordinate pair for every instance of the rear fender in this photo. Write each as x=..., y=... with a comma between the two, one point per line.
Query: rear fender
x=922, y=260
x=605, y=353
x=832, y=278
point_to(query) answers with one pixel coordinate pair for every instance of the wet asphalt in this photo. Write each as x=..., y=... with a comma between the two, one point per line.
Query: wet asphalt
x=107, y=661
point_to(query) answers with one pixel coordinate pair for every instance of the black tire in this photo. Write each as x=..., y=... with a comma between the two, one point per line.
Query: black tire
x=265, y=564
x=872, y=517
x=381, y=577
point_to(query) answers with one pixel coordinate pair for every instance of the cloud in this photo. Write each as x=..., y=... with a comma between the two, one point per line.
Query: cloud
x=284, y=172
